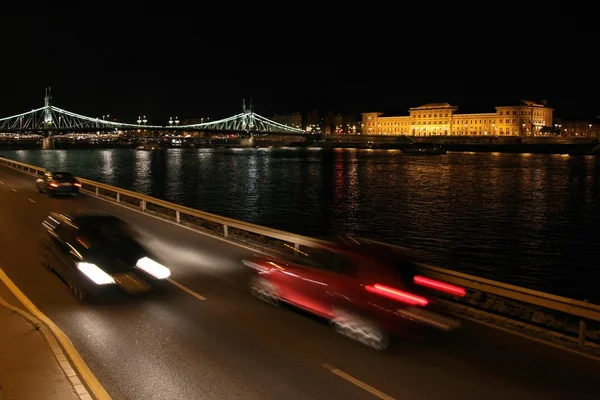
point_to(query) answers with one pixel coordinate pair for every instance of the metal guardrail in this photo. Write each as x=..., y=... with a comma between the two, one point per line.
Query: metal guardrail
x=30, y=169
x=581, y=309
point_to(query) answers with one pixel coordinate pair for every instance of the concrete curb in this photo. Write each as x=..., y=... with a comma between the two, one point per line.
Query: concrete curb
x=57, y=350
x=58, y=336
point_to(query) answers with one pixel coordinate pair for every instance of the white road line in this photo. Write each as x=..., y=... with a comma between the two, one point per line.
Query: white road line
x=187, y=290
x=31, y=200
x=359, y=383
x=1, y=183
x=14, y=190
x=84, y=371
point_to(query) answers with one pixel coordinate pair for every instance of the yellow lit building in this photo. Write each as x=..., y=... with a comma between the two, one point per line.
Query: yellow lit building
x=441, y=119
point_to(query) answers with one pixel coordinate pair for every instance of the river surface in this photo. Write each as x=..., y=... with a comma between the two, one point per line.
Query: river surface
x=530, y=220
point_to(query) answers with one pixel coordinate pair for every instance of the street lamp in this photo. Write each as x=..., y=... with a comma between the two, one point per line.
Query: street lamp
x=176, y=121
x=144, y=120
x=139, y=120
x=170, y=121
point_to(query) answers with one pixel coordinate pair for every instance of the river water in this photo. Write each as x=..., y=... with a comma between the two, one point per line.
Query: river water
x=529, y=220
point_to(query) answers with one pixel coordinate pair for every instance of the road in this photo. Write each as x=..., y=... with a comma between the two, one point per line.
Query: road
x=230, y=346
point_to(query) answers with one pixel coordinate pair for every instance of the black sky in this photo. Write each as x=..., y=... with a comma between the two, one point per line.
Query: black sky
x=149, y=60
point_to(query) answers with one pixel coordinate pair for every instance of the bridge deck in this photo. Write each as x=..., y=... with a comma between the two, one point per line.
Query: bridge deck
x=231, y=346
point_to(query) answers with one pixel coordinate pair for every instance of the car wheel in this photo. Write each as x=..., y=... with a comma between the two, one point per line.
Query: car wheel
x=360, y=329
x=264, y=290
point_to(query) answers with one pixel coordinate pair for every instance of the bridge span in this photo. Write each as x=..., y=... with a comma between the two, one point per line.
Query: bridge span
x=51, y=120
x=214, y=341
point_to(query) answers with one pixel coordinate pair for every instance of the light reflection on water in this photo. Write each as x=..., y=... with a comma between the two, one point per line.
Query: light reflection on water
x=174, y=181
x=143, y=172
x=525, y=219
x=108, y=169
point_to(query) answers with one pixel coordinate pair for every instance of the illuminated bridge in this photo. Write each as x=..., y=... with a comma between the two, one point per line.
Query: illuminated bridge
x=51, y=120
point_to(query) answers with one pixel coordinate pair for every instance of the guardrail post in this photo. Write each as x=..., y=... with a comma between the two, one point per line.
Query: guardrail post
x=118, y=197
x=296, y=247
x=225, y=230
x=177, y=216
x=143, y=205
x=97, y=191
x=582, y=330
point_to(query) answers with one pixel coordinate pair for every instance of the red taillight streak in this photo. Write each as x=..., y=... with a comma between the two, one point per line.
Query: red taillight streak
x=397, y=295
x=445, y=287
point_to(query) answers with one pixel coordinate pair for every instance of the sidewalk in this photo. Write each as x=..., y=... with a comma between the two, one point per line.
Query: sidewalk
x=29, y=368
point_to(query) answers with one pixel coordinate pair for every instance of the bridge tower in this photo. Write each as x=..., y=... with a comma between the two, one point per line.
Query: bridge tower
x=48, y=142
x=248, y=122
x=48, y=120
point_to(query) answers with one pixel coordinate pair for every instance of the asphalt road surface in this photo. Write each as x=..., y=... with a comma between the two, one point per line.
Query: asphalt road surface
x=223, y=344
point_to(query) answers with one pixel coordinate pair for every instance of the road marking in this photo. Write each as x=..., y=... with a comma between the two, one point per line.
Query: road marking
x=14, y=190
x=55, y=347
x=358, y=383
x=31, y=200
x=1, y=183
x=83, y=369
x=187, y=290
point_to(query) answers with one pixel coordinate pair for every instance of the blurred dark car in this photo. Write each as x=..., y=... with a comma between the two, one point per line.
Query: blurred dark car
x=368, y=291
x=57, y=183
x=97, y=254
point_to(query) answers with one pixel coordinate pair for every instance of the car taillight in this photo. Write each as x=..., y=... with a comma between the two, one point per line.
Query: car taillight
x=53, y=184
x=397, y=295
x=439, y=285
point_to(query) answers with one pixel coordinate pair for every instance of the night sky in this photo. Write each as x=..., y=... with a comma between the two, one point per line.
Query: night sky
x=131, y=64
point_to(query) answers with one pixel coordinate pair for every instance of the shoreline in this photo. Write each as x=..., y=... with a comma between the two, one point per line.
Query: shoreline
x=533, y=146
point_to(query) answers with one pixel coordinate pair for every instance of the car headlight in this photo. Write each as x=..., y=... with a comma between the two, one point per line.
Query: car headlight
x=153, y=268
x=93, y=272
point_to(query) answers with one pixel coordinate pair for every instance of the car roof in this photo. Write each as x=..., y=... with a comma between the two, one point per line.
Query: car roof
x=96, y=219
x=381, y=251
x=86, y=217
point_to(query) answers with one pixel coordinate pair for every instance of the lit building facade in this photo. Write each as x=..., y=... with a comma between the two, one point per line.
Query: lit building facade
x=576, y=128
x=293, y=119
x=442, y=119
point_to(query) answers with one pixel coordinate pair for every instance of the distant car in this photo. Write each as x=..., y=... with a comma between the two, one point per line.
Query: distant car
x=56, y=183
x=367, y=291
x=97, y=254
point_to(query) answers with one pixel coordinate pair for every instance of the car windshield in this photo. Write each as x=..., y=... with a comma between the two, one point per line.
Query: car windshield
x=106, y=230
x=63, y=176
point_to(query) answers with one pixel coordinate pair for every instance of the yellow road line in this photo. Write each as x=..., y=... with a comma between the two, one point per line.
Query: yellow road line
x=86, y=373
x=358, y=383
x=187, y=290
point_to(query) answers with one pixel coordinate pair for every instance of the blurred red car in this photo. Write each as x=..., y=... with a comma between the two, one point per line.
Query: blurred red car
x=367, y=290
